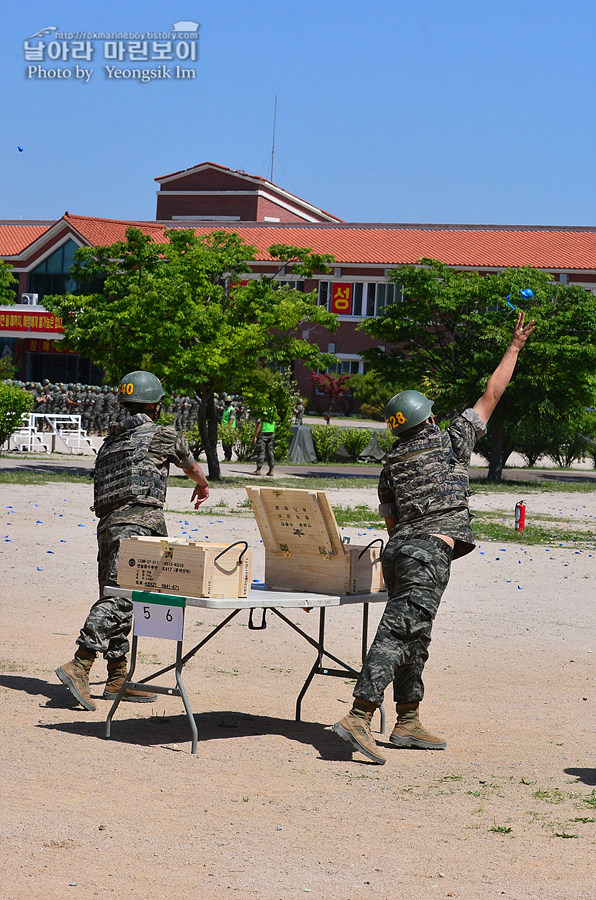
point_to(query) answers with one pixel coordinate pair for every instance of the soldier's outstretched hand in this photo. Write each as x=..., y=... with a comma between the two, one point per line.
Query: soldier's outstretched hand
x=199, y=495
x=521, y=332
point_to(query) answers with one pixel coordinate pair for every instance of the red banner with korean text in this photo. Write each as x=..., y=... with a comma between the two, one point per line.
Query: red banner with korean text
x=35, y=345
x=30, y=321
x=341, y=299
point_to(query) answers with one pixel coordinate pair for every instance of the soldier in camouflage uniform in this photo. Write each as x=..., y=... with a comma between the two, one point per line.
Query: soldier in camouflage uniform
x=423, y=494
x=131, y=474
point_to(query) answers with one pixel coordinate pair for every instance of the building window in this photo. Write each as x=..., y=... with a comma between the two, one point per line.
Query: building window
x=52, y=276
x=387, y=295
x=368, y=298
x=347, y=365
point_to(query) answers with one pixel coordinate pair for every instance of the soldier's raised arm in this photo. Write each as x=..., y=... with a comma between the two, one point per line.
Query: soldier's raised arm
x=502, y=375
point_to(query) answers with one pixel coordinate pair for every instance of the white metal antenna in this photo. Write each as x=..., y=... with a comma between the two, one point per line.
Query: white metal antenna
x=273, y=143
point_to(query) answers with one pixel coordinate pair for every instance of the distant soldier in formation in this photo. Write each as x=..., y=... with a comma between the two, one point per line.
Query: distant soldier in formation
x=98, y=406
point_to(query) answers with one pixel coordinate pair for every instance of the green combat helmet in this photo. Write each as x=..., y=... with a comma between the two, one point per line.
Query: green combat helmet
x=140, y=387
x=406, y=410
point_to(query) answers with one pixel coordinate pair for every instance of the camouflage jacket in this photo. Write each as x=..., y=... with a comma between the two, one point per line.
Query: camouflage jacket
x=166, y=446
x=424, y=482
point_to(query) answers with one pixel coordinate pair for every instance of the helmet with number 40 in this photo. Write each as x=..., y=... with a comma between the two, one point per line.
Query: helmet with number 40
x=406, y=410
x=140, y=387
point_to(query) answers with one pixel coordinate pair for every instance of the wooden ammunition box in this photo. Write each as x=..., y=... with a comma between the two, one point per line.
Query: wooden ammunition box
x=303, y=546
x=191, y=569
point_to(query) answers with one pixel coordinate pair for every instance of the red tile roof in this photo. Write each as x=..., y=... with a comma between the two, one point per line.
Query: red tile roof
x=384, y=245
x=391, y=245
x=102, y=232
x=14, y=237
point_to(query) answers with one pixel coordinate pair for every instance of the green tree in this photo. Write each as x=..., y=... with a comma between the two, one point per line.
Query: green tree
x=373, y=393
x=572, y=440
x=14, y=402
x=7, y=368
x=7, y=283
x=184, y=310
x=452, y=328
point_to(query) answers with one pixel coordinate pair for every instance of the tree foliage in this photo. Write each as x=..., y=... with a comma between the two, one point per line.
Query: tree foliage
x=7, y=283
x=14, y=402
x=452, y=328
x=185, y=310
x=373, y=393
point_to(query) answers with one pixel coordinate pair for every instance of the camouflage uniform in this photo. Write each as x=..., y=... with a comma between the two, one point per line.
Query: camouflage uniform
x=424, y=484
x=266, y=439
x=109, y=621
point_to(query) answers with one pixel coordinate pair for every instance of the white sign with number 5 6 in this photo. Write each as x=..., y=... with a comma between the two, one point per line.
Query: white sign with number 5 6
x=160, y=618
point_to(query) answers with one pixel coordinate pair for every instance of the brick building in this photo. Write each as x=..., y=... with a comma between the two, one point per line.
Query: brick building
x=210, y=196
x=212, y=193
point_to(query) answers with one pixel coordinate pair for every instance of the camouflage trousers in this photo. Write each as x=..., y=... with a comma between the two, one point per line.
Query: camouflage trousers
x=108, y=624
x=265, y=449
x=416, y=572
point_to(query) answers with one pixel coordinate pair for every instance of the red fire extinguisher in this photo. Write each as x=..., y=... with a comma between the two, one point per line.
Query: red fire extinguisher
x=520, y=516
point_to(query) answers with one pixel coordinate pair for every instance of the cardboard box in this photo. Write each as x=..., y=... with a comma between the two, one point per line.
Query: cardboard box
x=304, y=548
x=188, y=568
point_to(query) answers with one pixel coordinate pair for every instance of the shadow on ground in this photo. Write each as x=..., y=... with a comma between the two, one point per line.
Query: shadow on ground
x=218, y=725
x=586, y=776
x=57, y=695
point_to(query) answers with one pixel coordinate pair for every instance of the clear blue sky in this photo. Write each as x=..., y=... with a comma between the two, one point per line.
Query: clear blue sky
x=479, y=111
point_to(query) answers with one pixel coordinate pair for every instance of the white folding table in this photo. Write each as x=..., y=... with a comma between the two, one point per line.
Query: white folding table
x=259, y=598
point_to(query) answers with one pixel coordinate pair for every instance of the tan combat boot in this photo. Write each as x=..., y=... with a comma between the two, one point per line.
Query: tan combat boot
x=408, y=731
x=117, y=671
x=271, y=473
x=75, y=675
x=256, y=472
x=355, y=729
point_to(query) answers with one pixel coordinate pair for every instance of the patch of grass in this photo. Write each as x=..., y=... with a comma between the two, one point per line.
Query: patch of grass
x=584, y=820
x=591, y=800
x=360, y=516
x=549, y=483
x=555, y=796
x=148, y=659
x=29, y=477
x=533, y=535
x=500, y=829
x=487, y=527
x=9, y=665
x=306, y=481
x=565, y=834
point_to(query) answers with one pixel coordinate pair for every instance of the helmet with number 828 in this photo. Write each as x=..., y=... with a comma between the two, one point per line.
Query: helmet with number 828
x=406, y=410
x=140, y=387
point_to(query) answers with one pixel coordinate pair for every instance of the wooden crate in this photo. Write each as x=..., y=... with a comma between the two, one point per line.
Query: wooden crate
x=303, y=545
x=188, y=568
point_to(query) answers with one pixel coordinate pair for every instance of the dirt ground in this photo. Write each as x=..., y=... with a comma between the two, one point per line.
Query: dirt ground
x=272, y=808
